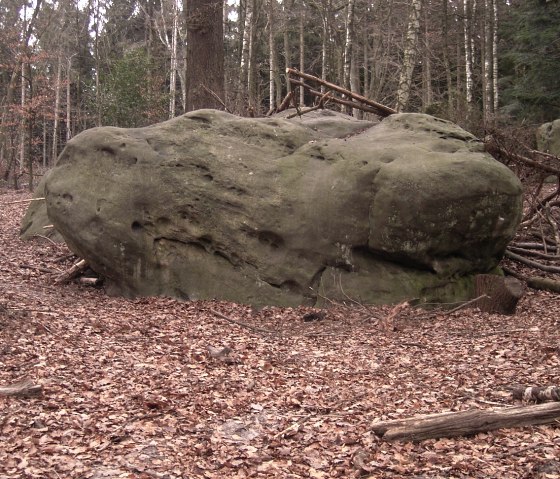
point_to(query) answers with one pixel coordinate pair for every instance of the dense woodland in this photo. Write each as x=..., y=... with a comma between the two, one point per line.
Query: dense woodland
x=68, y=65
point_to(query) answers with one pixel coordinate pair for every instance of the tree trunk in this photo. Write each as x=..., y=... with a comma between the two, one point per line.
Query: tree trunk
x=205, y=53
x=487, y=97
x=69, y=99
x=272, y=58
x=495, y=54
x=410, y=48
x=173, y=62
x=302, y=51
x=468, y=55
x=446, y=62
x=57, y=93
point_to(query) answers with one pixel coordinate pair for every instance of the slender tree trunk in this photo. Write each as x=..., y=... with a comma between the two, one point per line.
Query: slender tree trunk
x=495, y=53
x=427, y=94
x=468, y=55
x=446, y=62
x=487, y=97
x=410, y=48
x=173, y=62
x=97, y=61
x=273, y=62
x=287, y=9
x=57, y=93
x=349, y=43
x=252, y=86
x=23, y=119
x=69, y=99
x=302, y=51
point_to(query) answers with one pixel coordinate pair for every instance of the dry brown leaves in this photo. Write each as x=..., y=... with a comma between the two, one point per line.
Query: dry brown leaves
x=147, y=389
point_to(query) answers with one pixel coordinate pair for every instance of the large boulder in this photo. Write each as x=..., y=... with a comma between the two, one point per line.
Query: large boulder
x=548, y=138
x=285, y=212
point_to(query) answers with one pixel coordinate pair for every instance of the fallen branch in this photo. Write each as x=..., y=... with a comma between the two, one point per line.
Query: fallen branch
x=533, y=264
x=242, y=324
x=466, y=423
x=351, y=104
x=546, y=284
x=74, y=271
x=528, y=252
x=381, y=110
x=25, y=388
x=493, y=148
x=38, y=268
x=536, y=394
x=527, y=245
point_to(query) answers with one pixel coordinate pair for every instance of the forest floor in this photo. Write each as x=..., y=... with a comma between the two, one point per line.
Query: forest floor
x=136, y=388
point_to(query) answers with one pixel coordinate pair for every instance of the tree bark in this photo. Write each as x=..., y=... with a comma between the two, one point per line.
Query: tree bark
x=466, y=423
x=501, y=294
x=205, y=53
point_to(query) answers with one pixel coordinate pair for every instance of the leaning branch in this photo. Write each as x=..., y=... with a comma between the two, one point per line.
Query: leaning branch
x=381, y=110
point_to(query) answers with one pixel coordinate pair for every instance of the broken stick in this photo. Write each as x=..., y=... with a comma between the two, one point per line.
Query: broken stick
x=74, y=271
x=466, y=423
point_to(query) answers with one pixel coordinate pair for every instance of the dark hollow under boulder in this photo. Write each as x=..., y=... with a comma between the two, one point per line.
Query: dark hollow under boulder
x=285, y=212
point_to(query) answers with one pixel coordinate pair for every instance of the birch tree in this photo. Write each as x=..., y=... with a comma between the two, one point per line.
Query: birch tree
x=409, y=56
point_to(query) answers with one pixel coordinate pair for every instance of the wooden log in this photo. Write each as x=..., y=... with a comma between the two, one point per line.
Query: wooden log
x=546, y=284
x=498, y=294
x=25, y=388
x=537, y=394
x=466, y=423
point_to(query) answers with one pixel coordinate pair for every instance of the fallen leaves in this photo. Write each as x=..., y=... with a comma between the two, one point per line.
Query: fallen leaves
x=156, y=388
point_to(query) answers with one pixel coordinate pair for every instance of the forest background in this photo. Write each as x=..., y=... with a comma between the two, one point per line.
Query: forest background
x=69, y=65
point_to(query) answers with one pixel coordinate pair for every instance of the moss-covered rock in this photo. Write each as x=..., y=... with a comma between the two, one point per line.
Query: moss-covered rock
x=285, y=212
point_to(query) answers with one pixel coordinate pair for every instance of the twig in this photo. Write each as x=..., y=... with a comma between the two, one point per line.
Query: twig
x=44, y=237
x=215, y=96
x=242, y=324
x=467, y=303
x=38, y=268
x=23, y=201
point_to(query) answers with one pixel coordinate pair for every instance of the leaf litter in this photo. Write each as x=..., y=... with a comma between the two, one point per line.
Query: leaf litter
x=158, y=388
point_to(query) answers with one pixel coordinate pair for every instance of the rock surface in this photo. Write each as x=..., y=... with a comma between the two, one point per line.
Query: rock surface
x=285, y=212
x=548, y=137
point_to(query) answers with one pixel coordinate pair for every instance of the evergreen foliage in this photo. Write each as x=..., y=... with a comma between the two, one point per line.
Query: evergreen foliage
x=531, y=61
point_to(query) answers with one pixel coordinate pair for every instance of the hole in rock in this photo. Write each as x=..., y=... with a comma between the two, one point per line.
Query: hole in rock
x=270, y=239
x=108, y=150
x=67, y=197
x=136, y=226
x=208, y=177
